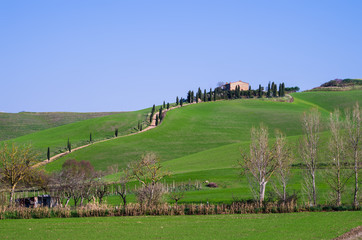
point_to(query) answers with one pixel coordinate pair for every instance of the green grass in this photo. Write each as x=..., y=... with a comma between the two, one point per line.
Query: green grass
x=78, y=132
x=14, y=125
x=313, y=225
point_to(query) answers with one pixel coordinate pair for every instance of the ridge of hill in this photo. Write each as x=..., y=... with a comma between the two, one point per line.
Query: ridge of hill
x=13, y=125
x=340, y=85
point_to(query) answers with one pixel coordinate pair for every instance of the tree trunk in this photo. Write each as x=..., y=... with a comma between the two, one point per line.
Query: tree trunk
x=262, y=192
x=284, y=192
x=355, y=200
x=66, y=203
x=339, y=187
x=314, y=190
x=12, y=193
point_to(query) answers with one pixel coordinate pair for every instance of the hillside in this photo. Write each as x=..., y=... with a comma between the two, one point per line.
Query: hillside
x=79, y=132
x=340, y=85
x=14, y=125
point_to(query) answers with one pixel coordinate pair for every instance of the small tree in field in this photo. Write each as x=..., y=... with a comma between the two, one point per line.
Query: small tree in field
x=16, y=166
x=308, y=151
x=354, y=130
x=176, y=101
x=48, y=154
x=90, y=137
x=156, y=120
x=121, y=189
x=181, y=102
x=283, y=160
x=337, y=175
x=69, y=146
x=259, y=165
x=168, y=105
x=205, y=95
x=116, y=132
x=148, y=173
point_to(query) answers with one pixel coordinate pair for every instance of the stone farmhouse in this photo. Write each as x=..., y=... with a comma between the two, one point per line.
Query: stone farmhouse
x=232, y=85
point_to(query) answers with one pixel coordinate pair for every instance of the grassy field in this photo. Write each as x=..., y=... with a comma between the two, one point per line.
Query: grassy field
x=322, y=225
x=203, y=142
x=78, y=132
x=14, y=125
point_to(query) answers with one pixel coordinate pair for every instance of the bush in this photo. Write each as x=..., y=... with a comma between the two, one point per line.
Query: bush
x=150, y=195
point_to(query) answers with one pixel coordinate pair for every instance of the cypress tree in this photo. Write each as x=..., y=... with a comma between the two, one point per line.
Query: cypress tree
x=268, y=93
x=197, y=97
x=177, y=101
x=214, y=95
x=205, y=95
x=283, y=89
x=168, y=106
x=156, y=120
x=275, y=91
x=90, y=137
x=48, y=154
x=116, y=132
x=138, y=126
x=199, y=92
x=210, y=95
x=69, y=146
x=160, y=115
x=192, y=96
x=181, y=102
x=141, y=128
x=151, y=116
x=153, y=109
x=164, y=104
x=259, y=91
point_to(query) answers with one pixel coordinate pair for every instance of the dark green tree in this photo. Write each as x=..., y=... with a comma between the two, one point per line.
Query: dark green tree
x=197, y=97
x=205, y=95
x=177, y=101
x=90, y=137
x=160, y=116
x=69, y=146
x=116, y=132
x=214, y=95
x=168, y=105
x=275, y=91
x=181, y=102
x=259, y=92
x=153, y=109
x=192, y=96
x=164, y=104
x=48, y=154
x=156, y=120
x=210, y=95
x=269, y=92
x=199, y=92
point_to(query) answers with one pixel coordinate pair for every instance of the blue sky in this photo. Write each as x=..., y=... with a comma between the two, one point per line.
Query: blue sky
x=127, y=55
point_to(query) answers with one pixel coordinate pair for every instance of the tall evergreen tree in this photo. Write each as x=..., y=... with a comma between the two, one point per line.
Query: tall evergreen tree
x=268, y=93
x=259, y=92
x=275, y=92
x=160, y=114
x=205, y=95
x=210, y=95
x=90, y=137
x=189, y=96
x=116, y=132
x=192, y=96
x=168, y=105
x=214, y=95
x=199, y=92
x=280, y=90
x=69, y=146
x=156, y=120
x=181, y=102
x=283, y=89
x=48, y=154
x=164, y=104
x=177, y=101
x=197, y=97
x=153, y=109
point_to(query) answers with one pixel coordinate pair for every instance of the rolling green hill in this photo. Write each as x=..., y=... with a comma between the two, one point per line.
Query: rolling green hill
x=14, y=125
x=78, y=132
x=203, y=141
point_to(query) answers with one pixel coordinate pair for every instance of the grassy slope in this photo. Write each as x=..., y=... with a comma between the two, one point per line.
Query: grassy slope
x=14, y=125
x=193, y=129
x=78, y=132
x=323, y=225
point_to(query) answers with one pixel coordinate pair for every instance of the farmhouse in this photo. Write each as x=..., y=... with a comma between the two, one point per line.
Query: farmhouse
x=232, y=85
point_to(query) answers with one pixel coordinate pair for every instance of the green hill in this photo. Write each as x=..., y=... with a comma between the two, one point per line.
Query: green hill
x=78, y=132
x=14, y=125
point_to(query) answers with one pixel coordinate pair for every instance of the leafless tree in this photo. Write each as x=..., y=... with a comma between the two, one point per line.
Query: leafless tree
x=177, y=195
x=284, y=159
x=308, y=151
x=16, y=166
x=337, y=174
x=260, y=165
x=148, y=172
x=121, y=189
x=353, y=126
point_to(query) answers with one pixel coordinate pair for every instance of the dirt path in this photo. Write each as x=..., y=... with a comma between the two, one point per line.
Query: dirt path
x=151, y=126
x=354, y=234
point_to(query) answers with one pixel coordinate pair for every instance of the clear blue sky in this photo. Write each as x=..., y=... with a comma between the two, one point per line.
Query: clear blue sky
x=126, y=55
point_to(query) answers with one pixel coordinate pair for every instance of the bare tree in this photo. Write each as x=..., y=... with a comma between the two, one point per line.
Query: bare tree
x=337, y=175
x=16, y=166
x=353, y=126
x=148, y=172
x=308, y=151
x=121, y=189
x=284, y=160
x=260, y=165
